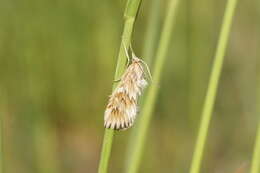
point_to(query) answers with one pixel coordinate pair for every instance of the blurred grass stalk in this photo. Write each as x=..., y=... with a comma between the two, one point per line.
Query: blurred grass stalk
x=1, y=142
x=199, y=33
x=146, y=112
x=148, y=54
x=2, y=112
x=255, y=166
x=131, y=11
x=151, y=32
x=212, y=87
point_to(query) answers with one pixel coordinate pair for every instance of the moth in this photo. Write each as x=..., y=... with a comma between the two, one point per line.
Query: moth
x=122, y=106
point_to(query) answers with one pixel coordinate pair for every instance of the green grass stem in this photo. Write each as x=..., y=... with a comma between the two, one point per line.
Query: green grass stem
x=149, y=102
x=212, y=87
x=129, y=20
x=255, y=166
x=1, y=143
x=3, y=113
x=2, y=107
x=152, y=30
x=148, y=55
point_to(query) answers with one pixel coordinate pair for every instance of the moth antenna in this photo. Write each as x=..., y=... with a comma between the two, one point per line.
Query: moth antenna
x=148, y=70
x=146, y=66
x=127, y=55
x=133, y=53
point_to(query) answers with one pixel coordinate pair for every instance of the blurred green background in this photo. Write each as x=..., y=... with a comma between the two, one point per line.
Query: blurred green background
x=57, y=61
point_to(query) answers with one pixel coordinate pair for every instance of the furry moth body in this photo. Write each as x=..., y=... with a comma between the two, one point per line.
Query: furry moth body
x=122, y=108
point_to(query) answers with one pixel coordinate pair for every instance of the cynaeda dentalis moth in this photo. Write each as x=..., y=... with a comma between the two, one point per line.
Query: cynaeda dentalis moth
x=122, y=108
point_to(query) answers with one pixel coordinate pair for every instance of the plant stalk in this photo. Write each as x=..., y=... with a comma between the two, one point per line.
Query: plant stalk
x=149, y=102
x=148, y=55
x=1, y=143
x=129, y=20
x=3, y=112
x=212, y=86
x=255, y=166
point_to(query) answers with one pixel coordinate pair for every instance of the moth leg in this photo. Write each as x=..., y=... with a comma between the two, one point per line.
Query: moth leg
x=147, y=69
x=132, y=50
x=117, y=80
x=127, y=55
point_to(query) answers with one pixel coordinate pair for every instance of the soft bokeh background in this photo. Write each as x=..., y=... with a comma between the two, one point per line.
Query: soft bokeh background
x=57, y=60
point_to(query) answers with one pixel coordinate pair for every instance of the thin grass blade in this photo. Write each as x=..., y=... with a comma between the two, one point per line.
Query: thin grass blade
x=212, y=86
x=149, y=102
x=255, y=166
x=129, y=16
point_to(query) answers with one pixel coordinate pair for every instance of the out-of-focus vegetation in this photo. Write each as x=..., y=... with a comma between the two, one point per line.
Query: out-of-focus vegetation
x=57, y=61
